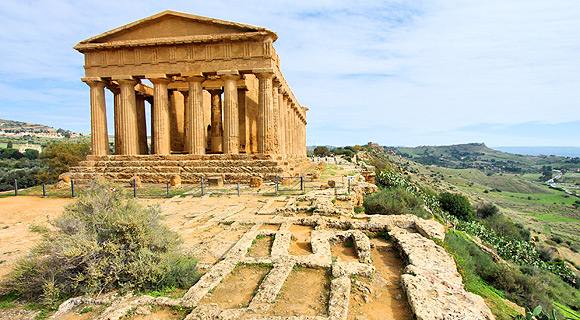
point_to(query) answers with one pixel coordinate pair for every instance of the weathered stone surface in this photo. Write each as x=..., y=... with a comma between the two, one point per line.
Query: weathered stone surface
x=255, y=182
x=64, y=177
x=135, y=180
x=434, y=287
x=175, y=181
x=215, y=181
x=331, y=183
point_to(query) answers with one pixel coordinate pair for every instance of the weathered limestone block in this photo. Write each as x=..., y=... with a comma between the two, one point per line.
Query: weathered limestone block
x=434, y=287
x=430, y=228
x=135, y=180
x=255, y=182
x=64, y=177
x=430, y=299
x=215, y=181
x=340, y=269
x=339, y=298
x=175, y=181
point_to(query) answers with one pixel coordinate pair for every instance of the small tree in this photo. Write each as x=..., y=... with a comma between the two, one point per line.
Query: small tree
x=456, y=204
x=9, y=145
x=487, y=210
x=59, y=157
x=321, y=151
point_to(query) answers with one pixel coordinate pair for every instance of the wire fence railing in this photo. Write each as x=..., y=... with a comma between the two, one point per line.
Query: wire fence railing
x=281, y=185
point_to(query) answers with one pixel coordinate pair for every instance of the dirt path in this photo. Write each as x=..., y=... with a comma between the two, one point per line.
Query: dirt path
x=18, y=214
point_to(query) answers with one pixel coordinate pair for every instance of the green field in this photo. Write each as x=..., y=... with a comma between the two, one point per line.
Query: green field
x=557, y=197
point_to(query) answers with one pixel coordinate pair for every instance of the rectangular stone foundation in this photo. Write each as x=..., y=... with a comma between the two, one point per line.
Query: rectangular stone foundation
x=190, y=168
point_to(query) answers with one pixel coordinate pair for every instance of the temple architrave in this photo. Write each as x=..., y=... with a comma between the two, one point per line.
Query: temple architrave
x=218, y=101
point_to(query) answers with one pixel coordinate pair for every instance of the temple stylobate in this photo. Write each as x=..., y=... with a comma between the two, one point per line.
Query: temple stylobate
x=215, y=93
x=216, y=88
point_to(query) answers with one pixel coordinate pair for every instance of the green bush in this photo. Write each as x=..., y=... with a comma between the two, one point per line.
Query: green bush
x=486, y=210
x=527, y=286
x=457, y=205
x=103, y=241
x=59, y=157
x=506, y=228
x=395, y=201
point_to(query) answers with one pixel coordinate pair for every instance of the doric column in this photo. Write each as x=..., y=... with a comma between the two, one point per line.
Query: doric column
x=160, y=115
x=114, y=88
x=266, y=139
x=288, y=127
x=128, y=136
x=141, y=125
x=99, y=135
x=231, y=140
x=282, y=113
x=243, y=120
x=276, y=110
x=294, y=130
x=194, y=129
x=216, y=131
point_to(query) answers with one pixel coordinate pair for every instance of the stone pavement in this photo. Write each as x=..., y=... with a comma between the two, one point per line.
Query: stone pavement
x=225, y=236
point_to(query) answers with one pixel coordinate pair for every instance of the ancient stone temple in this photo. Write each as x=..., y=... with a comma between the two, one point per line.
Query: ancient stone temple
x=218, y=101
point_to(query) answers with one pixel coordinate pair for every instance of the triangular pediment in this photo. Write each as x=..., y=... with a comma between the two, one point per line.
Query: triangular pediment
x=173, y=24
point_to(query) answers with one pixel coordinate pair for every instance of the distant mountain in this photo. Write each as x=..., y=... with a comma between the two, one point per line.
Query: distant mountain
x=479, y=156
x=572, y=152
x=12, y=125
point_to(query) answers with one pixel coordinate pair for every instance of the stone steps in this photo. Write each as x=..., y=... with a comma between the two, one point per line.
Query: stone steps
x=190, y=168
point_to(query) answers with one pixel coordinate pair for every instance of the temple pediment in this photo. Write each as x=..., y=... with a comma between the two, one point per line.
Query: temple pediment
x=175, y=25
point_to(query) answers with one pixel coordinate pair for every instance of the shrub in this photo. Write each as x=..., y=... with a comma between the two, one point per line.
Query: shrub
x=59, y=157
x=103, y=241
x=506, y=228
x=487, y=210
x=395, y=201
x=457, y=205
x=557, y=239
x=545, y=253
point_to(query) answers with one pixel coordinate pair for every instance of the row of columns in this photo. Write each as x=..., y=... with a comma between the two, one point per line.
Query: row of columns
x=280, y=126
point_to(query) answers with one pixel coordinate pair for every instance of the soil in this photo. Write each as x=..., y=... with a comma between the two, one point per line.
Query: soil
x=344, y=251
x=18, y=214
x=238, y=288
x=385, y=299
x=278, y=204
x=159, y=314
x=301, y=244
x=305, y=292
x=273, y=227
x=261, y=247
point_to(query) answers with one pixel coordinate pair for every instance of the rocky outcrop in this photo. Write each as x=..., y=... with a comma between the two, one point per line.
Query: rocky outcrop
x=434, y=287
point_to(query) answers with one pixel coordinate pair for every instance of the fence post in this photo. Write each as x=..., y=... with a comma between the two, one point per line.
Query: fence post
x=168, y=189
x=301, y=183
x=202, y=186
x=15, y=187
x=239, y=189
x=348, y=185
x=134, y=188
x=276, y=186
x=43, y=190
x=72, y=188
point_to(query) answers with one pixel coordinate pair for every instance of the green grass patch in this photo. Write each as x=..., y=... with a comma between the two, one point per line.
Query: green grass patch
x=550, y=217
x=557, y=197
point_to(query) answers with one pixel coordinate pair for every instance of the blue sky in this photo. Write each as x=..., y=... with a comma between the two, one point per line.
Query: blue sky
x=503, y=72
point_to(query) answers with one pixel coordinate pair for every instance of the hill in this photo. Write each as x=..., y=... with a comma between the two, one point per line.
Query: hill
x=19, y=126
x=573, y=152
x=479, y=156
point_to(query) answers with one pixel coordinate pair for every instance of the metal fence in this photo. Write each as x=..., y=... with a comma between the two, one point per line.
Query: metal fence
x=281, y=185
